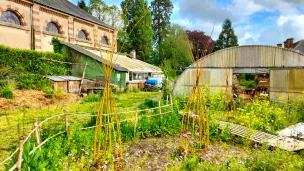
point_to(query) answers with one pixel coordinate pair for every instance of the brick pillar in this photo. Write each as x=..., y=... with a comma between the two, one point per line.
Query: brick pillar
x=71, y=31
x=96, y=39
x=37, y=27
x=115, y=40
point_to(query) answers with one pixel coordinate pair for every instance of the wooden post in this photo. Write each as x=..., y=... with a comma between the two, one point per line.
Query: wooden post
x=66, y=123
x=160, y=112
x=37, y=133
x=20, y=153
x=171, y=103
x=167, y=100
x=83, y=74
x=136, y=120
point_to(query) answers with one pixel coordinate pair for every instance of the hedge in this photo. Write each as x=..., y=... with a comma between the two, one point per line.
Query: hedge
x=28, y=64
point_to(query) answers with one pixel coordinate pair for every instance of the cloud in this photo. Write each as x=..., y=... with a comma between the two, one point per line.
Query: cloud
x=278, y=19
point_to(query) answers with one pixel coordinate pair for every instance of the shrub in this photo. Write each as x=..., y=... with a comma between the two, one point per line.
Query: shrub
x=6, y=93
x=58, y=93
x=91, y=98
x=48, y=92
x=148, y=103
x=30, y=67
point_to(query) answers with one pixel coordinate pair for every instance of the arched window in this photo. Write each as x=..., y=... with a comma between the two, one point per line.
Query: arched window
x=104, y=40
x=10, y=17
x=52, y=27
x=82, y=35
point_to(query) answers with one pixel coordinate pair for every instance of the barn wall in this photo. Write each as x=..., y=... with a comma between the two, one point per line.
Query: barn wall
x=287, y=83
x=282, y=82
x=215, y=78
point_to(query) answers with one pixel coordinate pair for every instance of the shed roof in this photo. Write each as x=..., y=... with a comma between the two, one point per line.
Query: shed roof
x=67, y=7
x=63, y=78
x=119, y=62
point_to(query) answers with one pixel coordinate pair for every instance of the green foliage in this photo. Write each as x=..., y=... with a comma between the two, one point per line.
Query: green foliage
x=138, y=23
x=227, y=38
x=32, y=81
x=33, y=161
x=165, y=89
x=6, y=93
x=148, y=103
x=161, y=12
x=191, y=164
x=57, y=45
x=58, y=93
x=247, y=80
x=176, y=48
x=91, y=98
x=131, y=90
x=81, y=4
x=6, y=76
x=276, y=160
x=48, y=92
x=29, y=67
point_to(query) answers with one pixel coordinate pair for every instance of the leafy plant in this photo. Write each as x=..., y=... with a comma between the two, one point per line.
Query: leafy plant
x=6, y=93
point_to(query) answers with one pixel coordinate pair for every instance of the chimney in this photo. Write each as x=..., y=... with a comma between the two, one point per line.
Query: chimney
x=288, y=43
x=279, y=45
x=133, y=54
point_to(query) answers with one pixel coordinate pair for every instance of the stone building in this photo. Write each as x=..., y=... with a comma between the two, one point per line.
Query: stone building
x=31, y=24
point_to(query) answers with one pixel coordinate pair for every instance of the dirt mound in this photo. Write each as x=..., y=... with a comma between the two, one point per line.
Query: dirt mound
x=5, y=104
x=30, y=98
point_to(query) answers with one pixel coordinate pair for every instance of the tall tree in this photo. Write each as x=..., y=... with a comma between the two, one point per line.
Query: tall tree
x=176, y=47
x=138, y=23
x=109, y=14
x=201, y=44
x=161, y=12
x=227, y=38
x=82, y=5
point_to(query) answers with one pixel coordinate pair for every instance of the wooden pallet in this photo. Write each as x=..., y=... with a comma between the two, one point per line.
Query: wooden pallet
x=289, y=144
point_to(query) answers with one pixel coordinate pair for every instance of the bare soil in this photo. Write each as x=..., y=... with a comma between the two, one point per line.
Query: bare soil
x=160, y=153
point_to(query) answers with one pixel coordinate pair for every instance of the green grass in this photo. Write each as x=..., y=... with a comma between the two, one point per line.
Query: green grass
x=20, y=122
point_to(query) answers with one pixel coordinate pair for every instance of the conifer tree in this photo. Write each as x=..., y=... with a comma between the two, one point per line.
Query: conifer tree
x=161, y=12
x=138, y=24
x=82, y=5
x=227, y=38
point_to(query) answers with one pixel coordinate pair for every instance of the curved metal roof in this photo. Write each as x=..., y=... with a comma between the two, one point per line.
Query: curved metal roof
x=254, y=56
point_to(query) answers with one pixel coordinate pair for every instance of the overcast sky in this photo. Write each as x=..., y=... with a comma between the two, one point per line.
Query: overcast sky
x=264, y=22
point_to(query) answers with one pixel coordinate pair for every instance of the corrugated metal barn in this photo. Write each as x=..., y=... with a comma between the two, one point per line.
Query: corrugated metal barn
x=285, y=67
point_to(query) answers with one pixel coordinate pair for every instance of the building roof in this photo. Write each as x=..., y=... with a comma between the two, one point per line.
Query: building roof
x=63, y=78
x=131, y=64
x=298, y=46
x=92, y=55
x=67, y=7
x=119, y=62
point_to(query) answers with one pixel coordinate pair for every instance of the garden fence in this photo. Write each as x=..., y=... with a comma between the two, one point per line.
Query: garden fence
x=65, y=115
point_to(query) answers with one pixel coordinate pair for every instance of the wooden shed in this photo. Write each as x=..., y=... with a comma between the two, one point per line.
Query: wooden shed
x=126, y=70
x=68, y=84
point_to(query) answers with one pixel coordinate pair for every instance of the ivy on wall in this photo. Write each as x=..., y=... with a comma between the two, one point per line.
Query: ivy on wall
x=30, y=67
